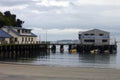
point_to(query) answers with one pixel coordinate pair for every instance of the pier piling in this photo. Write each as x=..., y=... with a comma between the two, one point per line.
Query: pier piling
x=16, y=51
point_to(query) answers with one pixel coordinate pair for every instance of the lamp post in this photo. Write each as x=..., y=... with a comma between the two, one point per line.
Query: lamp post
x=39, y=38
x=46, y=36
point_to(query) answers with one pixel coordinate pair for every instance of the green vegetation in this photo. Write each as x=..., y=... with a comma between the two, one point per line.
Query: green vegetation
x=8, y=19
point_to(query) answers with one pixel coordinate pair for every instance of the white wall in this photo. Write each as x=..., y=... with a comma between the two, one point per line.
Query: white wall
x=26, y=40
x=98, y=39
x=19, y=38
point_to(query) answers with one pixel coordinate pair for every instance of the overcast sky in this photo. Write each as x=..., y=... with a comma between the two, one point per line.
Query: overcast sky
x=62, y=19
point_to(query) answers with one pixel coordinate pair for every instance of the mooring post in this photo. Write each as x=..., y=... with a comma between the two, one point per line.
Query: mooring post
x=69, y=48
x=53, y=48
x=61, y=48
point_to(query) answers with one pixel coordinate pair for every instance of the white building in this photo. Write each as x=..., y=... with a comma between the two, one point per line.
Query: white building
x=94, y=37
x=4, y=37
x=19, y=35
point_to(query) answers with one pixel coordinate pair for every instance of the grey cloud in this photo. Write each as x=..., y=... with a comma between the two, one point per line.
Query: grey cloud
x=14, y=2
x=43, y=8
x=73, y=16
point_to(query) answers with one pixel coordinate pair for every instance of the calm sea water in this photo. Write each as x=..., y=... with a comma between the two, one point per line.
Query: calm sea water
x=77, y=60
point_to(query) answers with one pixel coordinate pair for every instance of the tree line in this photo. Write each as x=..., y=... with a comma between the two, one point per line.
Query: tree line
x=8, y=19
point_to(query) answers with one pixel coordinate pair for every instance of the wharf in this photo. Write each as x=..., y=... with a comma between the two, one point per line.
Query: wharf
x=16, y=51
x=100, y=48
x=87, y=48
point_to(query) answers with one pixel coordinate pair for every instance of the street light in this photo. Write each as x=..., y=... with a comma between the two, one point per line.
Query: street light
x=46, y=35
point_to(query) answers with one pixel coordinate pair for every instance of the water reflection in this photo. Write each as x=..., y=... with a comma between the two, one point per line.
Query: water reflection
x=78, y=60
x=22, y=56
x=97, y=58
x=118, y=57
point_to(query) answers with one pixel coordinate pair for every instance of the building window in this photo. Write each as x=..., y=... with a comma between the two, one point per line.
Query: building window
x=92, y=34
x=79, y=36
x=22, y=31
x=22, y=39
x=26, y=39
x=31, y=39
x=86, y=34
x=25, y=31
x=101, y=34
x=18, y=31
x=104, y=40
x=89, y=40
x=15, y=39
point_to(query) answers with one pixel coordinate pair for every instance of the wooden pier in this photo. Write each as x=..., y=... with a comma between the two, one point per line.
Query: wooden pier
x=100, y=48
x=17, y=51
x=112, y=49
x=24, y=51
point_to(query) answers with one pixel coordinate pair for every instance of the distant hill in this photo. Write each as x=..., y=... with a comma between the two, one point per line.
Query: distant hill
x=8, y=19
x=66, y=41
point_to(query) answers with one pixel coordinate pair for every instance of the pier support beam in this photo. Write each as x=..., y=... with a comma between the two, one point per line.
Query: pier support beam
x=53, y=48
x=61, y=48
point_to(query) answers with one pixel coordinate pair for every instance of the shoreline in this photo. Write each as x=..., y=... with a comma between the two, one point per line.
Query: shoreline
x=33, y=72
x=22, y=63
x=30, y=64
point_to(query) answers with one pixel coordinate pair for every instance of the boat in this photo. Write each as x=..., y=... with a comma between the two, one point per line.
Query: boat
x=73, y=51
x=106, y=51
x=95, y=51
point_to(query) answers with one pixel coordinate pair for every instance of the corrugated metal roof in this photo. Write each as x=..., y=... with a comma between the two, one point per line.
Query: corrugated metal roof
x=3, y=34
x=15, y=32
x=9, y=28
x=33, y=35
